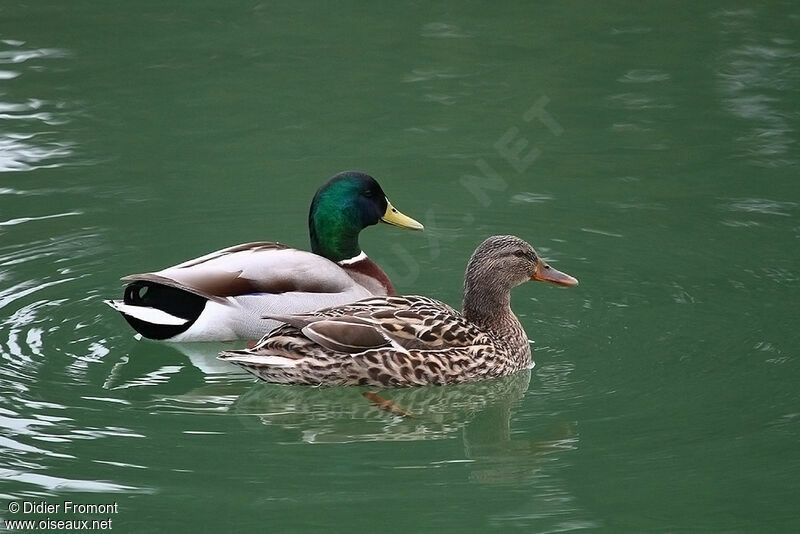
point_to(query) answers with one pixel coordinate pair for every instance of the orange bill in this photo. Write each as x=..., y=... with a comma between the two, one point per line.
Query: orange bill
x=545, y=273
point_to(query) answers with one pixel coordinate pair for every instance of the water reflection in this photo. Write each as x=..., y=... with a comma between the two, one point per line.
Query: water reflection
x=479, y=415
x=149, y=364
x=338, y=415
x=498, y=444
x=204, y=357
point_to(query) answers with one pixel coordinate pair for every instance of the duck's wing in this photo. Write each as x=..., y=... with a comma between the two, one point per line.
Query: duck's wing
x=252, y=268
x=402, y=323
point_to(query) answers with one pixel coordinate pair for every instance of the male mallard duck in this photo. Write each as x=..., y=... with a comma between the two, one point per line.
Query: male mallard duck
x=223, y=295
x=410, y=341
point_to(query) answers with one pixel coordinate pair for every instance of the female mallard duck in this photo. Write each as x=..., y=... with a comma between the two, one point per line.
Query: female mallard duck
x=410, y=341
x=223, y=295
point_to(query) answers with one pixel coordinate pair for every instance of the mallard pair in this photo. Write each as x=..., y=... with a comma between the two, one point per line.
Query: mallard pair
x=375, y=338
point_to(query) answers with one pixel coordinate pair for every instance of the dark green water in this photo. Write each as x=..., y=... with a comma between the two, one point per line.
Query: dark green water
x=650, y=150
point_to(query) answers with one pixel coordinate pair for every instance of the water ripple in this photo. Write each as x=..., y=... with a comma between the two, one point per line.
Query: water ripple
x=644, y=76
x=759, y=76
x=19, y=153
x=426, y=75
x=58, y=484
x=531, y=198
x=24, y=144
x=36, y=435
x=637, y=101
x=443, y=30
x=21, y=56
x=762, y=205
x=20, y=220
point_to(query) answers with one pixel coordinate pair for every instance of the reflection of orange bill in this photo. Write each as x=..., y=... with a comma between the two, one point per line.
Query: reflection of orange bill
x=386, y=405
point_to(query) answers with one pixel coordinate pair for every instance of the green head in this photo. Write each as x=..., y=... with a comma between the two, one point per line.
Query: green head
x=342, y=207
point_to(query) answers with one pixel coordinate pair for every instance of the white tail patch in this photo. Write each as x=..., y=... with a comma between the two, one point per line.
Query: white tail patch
x=148, y=315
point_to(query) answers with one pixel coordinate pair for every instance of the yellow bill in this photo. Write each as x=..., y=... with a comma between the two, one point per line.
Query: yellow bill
x=395, y=218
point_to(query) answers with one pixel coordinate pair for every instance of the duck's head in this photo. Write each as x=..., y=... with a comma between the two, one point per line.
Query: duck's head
x=342, y=207
x=508, y=261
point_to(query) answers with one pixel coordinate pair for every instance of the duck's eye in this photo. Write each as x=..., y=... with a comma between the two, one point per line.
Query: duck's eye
x=369, y=194
x=520, y=253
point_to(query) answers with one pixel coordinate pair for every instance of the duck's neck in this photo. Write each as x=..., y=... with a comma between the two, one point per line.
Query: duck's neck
x=487, y=305
x=332, y=235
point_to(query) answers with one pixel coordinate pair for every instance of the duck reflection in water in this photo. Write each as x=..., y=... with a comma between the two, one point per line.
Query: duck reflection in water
x=479, y=412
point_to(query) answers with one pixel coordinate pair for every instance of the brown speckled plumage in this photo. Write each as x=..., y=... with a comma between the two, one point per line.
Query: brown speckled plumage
x=398, y=341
